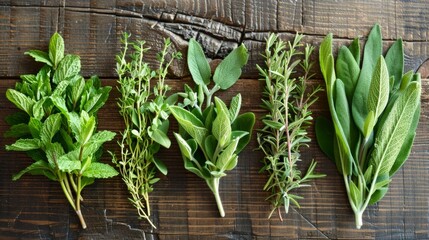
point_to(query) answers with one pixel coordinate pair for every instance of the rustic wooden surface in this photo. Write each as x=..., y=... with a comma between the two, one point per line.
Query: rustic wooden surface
x=184, y=208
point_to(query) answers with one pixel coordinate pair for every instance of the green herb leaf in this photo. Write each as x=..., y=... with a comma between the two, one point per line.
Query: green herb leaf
x=24, y=145
x=160, y=166
x=379, y=89
x=234, y=107
x=56, y=49
x=99, y=170
x=20, y=100
x=50, y=127
x=325, y=136
x=395, y=63
x=197, y=63
x=192, y=125
x=36, y=168
x=229, y=70
x=40, y=56
x=347, y=70
x=221, y=128
x=159, y=136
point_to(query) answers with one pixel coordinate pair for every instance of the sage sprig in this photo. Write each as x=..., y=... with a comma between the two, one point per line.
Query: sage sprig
x=145, y=111
x=57, y=123
x=211, y=137
x=375, y=109
x=287, y=101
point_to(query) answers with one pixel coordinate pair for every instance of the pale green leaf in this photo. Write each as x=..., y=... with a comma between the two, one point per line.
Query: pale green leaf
x=372, y=52
x=56, y=49
x=50, y=127
x=392, y=134
x=20, y=100
x=221, y=128
x=160, y=166
x=159, y=136
x=40, y=56
x=347, y=69
x=379, y=89
x=226, y=155
x=68, y=67
x=66, y=164
x=395, y=63
x=197, y=63
x=185, y=149
x=229, y=70
x=234, y=107
x=190, y=123
x=100, y=170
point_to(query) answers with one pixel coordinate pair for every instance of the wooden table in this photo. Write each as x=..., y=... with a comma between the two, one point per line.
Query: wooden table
x=35, y=208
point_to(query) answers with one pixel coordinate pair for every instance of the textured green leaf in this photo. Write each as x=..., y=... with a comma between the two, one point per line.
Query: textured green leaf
x=68, y=67
x=87, y=129
x=68, y=165
x=191, y=124
x=407, y=145
x=347, y=69
x=50, y=127
x=20, y=100
x=100, y=170
x=97, y=101
x=232, y=163
x=395, y=129
x=24, y=145
x=379, y=89
x=272, y=124
x=378, y=195
x=229, y=70
x=226, y=155
x=56, y=49
x=54, y=151
x=372, y=52
x=234, y=107
x=326, y=60
x=40, y=56
x=159, y=136
x=395, y=62
x=185, y=149
x=197, y=63
x=60, y=103
x=244, y=122
x=221, y=128
x=209, y=115
x=355, y=194
x=36, y=168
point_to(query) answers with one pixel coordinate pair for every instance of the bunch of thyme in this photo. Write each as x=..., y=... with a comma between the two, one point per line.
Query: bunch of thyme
x=145, y=110
x=287, y=101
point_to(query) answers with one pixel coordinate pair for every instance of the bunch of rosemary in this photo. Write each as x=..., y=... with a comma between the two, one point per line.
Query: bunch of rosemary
x=145, y=110
x=287, y=101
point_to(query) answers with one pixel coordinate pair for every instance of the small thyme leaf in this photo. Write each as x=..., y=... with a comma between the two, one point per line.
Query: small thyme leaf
x=145, y=111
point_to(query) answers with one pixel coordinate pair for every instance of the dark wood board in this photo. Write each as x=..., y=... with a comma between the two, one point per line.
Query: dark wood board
x=184, y=208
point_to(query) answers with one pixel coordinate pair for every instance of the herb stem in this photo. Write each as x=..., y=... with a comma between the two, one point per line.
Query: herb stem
x=213, y=183
x=78, y=197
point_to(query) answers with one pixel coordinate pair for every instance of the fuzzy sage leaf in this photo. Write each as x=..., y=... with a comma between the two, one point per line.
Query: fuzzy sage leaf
x=211, y=137
x=374, y=141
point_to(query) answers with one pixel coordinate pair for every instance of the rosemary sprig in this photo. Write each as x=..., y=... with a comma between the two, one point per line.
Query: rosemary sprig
x=145, y=110
x=287, y=101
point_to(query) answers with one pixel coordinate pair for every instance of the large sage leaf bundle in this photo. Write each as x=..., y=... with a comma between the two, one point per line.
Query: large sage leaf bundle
x=287, y=100
x=375, y=109
x=145, y=111
x=211, y=137
x=57, y=123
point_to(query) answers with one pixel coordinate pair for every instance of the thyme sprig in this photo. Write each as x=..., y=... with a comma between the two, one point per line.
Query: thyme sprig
x=145, y=110
x=287, y=100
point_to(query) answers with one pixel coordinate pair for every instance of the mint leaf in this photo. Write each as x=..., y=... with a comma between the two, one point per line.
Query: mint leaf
x=24, y=145
x=56, y=49
x=100, y=170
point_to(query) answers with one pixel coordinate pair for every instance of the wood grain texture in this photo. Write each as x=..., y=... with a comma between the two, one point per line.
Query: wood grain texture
x=184, y=208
